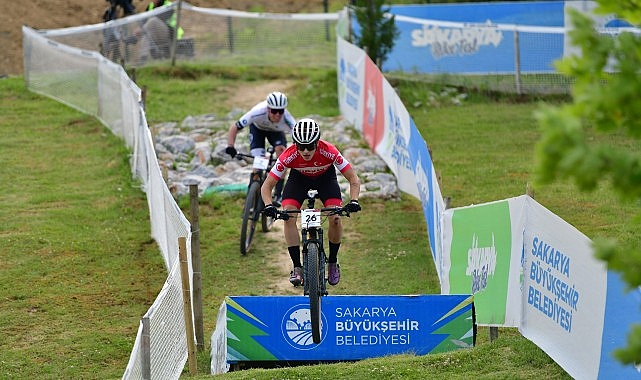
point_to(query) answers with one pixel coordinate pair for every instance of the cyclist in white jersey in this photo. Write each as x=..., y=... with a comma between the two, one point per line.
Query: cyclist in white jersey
x=269, y=120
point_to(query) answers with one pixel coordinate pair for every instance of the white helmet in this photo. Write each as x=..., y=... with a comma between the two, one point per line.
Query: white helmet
x=277, y=100
x=306, y=131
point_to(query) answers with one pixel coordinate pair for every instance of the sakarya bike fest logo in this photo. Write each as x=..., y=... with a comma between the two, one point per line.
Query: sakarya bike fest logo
x=297, y=327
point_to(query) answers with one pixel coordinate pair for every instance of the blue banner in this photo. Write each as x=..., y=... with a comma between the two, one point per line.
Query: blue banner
x=278, y=328
x=479, y=47
x=425, y=178
x=622, y=312
x=533, y=13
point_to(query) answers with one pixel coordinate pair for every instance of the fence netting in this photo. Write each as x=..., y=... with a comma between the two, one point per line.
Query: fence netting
x=83, y=67
x=214, y=36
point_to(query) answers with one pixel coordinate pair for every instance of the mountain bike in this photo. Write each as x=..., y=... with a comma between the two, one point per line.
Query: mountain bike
x=261, y=165
x=314, y=259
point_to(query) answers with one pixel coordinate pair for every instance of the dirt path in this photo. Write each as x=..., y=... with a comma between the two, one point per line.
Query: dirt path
x=281, y=263
x=245, y=98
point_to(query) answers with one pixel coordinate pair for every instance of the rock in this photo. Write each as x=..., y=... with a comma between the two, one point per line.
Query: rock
x=193, y=152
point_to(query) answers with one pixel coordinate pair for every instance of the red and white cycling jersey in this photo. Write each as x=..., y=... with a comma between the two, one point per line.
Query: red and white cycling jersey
x=325, y=156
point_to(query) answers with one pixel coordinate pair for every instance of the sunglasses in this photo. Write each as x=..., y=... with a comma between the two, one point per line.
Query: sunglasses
x=308, y=147
x=276, y=112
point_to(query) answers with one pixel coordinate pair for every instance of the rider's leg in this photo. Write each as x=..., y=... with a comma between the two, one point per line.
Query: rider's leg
x=293, y=247
x=334, y=236
x=292, y=240
x=332, y=197
x=295, y=185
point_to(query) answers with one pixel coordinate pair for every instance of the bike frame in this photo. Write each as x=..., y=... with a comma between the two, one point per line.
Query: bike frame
x=312, y=233
x=314, y=259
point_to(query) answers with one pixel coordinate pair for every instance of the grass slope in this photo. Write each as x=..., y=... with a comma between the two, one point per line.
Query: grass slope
x=79, y=269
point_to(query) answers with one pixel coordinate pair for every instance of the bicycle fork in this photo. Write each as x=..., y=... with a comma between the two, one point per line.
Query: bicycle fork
x=321, y=260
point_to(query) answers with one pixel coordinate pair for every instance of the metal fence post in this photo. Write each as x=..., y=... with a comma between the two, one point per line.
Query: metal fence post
x=517, y=62
x=145, y=349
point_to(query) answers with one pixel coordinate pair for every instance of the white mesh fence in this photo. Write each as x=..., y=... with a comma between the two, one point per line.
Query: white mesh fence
x=215, y=36
x=92, y=84
x=165, y=333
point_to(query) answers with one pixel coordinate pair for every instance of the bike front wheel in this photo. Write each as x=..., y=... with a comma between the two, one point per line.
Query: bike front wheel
x=250, y=217
x=315, y=289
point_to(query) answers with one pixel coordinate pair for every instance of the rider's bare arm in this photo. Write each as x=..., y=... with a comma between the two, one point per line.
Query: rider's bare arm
x=267, y=188
x=354, y=183
x=231, y=137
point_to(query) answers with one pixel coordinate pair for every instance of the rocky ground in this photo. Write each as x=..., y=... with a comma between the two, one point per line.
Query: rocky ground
x=193, y=152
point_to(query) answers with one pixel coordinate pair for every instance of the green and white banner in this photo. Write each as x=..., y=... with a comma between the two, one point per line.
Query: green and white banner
x=478, y=242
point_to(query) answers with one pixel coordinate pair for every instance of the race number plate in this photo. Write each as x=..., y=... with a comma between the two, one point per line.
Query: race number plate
x=260, y=162
x=310, y=218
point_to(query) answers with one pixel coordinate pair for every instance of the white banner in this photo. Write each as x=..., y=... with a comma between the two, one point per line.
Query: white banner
x=482, y=247
x=564, y=292
x=350, y=74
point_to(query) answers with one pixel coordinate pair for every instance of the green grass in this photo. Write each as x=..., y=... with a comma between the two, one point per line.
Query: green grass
x=75, y=236
x=79, y=269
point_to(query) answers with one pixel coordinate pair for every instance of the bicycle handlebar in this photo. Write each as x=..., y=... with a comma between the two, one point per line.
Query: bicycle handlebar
x=327, y=211
x=240, y=156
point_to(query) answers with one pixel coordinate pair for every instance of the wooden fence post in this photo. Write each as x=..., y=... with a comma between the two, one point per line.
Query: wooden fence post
x=195, y=264
x=494, y=333
x=189, y=325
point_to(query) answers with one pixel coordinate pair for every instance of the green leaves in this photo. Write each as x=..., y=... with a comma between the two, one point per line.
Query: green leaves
x=577, y=139
x=377, y=31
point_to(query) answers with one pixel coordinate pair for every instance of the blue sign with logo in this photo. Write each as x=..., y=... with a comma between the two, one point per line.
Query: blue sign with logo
x=278, y=328
x=479, y=47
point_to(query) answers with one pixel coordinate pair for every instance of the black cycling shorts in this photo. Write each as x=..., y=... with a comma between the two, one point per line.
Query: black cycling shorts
x=329, y=192
x=257, y=138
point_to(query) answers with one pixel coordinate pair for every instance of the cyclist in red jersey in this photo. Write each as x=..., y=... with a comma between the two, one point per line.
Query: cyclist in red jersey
x=313, y=163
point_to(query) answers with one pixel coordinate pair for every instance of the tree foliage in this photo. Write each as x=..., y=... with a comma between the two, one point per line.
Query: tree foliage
x=606, y=102
x=378, y=31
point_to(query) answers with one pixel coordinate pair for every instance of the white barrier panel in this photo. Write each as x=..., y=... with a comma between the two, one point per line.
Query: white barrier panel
x=367, y=99
x=564, y=292
x=429, y=194
x=350, y=75
x=481, y=255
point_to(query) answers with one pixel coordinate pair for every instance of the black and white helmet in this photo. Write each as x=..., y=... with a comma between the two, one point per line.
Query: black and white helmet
x=306, y=131
x=277, y=101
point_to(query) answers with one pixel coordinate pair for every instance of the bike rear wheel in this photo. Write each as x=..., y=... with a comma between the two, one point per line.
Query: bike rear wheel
x=314, y=288
x=250, y=217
